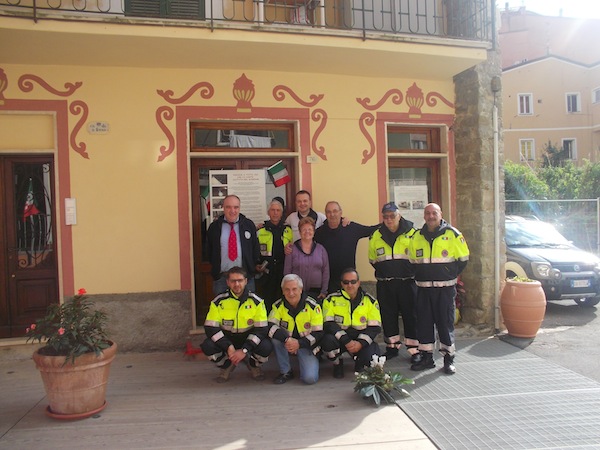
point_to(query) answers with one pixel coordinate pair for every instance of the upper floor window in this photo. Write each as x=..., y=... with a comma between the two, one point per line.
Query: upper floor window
x=570, y=148
x=596, y=95
x=573, y=102
x=232, y=136
x=525, y=104
x=413, y=140
x=183, y=9
x=527, y=149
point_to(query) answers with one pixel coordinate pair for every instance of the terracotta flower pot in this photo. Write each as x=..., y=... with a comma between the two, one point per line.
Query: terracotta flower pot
x=75, y=390
x=523, y=306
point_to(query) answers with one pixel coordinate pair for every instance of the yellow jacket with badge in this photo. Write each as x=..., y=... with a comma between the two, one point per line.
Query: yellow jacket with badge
x=388, y=252
x=439, y=256
x=229, y=315
x=347, y=320
x=304, y=322
x=265, y=238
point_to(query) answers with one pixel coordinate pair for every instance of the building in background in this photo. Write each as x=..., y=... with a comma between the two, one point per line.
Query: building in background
x=550, y=86
x=114, y=117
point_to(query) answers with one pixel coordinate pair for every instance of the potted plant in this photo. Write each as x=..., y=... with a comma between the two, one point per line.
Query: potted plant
x=523, y=306
x=375, y=382
x=75, y=359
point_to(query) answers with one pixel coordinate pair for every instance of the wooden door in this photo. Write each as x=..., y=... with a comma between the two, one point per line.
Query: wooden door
x=201, y=217
x=28, y=260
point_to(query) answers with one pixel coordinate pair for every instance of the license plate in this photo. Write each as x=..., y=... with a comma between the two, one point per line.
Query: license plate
x=580, y=283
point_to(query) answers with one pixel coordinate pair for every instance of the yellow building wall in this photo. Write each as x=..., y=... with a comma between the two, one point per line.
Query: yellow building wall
x=127, y=234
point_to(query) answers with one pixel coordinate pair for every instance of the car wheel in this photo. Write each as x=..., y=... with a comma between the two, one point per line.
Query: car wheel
x=587, y=302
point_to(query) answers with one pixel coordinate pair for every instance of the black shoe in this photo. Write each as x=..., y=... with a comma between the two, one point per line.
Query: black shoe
x=449, y=368
x=425, y=363
x=390, y=352
x=416, y=358
x=284, y=377
x=338, y=370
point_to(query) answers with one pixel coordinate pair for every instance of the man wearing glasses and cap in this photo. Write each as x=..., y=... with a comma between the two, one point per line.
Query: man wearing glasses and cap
x=352, y=322
x=396, y=290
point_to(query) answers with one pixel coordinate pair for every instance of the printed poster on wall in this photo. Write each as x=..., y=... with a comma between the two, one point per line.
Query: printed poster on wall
x=248, y=185
x=411, y=201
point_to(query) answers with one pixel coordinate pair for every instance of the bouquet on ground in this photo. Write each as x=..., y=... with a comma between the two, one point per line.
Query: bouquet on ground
x=71, y=329
x=375, y=382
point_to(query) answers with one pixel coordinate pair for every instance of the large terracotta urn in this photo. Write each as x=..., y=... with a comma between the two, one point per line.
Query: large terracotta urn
x=75, y=390
x=523, y=306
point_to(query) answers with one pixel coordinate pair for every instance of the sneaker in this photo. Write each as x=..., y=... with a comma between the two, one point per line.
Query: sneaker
x=425, y=363
x=338, y=369
x=449, y=368
x=256, y=372
x=283, y=377
x=390, y=352
x=224, y=374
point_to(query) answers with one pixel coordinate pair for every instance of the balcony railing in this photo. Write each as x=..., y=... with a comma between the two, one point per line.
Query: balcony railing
x=460, y=19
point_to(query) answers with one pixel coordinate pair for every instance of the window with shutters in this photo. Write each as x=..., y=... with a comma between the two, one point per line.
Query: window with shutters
x=181, y=9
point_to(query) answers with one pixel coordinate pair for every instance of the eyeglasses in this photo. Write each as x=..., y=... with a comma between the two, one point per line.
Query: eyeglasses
x=349, y=282
x=389, y=216
x=237, y=280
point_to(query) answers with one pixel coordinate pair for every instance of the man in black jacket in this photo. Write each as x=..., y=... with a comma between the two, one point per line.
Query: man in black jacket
x=231, y=241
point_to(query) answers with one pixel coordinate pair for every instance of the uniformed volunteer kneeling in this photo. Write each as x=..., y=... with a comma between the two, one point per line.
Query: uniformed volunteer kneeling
x=352, y=322
x=296, y=327
x=236, y=328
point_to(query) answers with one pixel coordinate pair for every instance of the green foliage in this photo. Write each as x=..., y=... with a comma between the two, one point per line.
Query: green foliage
x=522, y=182
x=71, y=329
x=375, y=382
x=565, y=181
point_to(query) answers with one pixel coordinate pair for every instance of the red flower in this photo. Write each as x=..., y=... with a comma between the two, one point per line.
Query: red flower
x=33, y=325
x=81, y=291
x=61, y=331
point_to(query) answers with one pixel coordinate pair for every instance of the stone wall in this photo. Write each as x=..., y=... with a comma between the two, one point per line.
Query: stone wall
x=474, y=143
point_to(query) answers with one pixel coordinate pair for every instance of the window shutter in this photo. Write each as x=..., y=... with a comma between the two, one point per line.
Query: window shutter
x=181, y=9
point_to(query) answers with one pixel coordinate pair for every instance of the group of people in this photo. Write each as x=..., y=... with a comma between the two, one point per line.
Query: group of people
x=291, y=287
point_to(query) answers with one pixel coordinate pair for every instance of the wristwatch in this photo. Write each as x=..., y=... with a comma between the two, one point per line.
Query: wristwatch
x=245, y=350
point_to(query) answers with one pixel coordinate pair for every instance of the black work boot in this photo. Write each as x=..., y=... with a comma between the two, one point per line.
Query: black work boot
x=338, y=369
x=425, y=363
x=449, y=368
x=390, y=352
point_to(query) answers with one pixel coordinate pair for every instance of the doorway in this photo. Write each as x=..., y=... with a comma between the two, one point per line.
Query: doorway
x=28, y=250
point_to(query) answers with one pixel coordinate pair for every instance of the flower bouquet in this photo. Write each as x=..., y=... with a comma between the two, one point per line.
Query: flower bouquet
x=375, y=382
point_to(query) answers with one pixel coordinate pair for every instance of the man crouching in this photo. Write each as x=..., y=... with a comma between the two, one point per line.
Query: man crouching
x=236, y=328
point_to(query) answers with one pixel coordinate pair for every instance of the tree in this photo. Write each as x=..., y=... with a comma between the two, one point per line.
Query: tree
x=522, y=183
x=563, y=181
x=554, y=156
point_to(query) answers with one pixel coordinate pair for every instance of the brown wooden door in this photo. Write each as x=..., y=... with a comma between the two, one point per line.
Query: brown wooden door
x=201, y=218
x=28, y=260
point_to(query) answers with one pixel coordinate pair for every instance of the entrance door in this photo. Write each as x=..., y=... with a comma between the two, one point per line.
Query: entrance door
x=201, y=216
x=28, y=261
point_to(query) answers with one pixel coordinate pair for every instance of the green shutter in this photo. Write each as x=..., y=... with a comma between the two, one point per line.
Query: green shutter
x=180, y=9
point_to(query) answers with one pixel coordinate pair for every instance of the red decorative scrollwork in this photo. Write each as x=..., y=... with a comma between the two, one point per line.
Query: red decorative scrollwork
x=279, y=95
x=26, y=85
x=168, y=114
x=431, y=101
x=319, y=115
x=206, y=91
x=367, y=119
x=396, y=95
x=76, y=108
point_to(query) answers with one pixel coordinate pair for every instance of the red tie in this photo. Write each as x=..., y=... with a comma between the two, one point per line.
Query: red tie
x=232, y=244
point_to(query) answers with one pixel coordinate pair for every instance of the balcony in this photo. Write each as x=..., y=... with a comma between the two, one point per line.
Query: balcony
x=369, y=19
x=433, y=39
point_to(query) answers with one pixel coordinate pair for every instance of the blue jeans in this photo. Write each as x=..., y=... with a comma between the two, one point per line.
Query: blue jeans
x=220, y=285
x=309, y=364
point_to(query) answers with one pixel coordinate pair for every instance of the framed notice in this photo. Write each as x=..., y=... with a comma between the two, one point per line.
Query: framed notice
x=248, y=185
x=411, y=201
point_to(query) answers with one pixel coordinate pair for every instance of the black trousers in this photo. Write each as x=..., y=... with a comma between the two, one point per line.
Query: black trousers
x=333, y=349
x=397, y=297
x=435, y=309
x=258, y=356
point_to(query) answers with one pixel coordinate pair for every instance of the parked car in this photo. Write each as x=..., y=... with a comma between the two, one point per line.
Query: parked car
x=534, y=249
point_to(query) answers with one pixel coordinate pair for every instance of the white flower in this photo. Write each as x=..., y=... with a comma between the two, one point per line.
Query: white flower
x=386, y=377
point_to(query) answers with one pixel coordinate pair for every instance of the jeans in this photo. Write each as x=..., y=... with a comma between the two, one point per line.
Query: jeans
x=309, y=364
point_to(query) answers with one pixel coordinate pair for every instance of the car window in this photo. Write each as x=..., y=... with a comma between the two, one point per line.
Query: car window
x=531, y=233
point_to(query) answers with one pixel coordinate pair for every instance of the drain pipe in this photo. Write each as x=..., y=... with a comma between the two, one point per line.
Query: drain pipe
x=496, y=86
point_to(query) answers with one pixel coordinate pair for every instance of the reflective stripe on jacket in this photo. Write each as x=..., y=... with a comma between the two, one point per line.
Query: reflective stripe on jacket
x=305, y=322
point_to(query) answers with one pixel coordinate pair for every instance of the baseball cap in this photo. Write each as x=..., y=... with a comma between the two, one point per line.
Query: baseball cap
x=389, y=207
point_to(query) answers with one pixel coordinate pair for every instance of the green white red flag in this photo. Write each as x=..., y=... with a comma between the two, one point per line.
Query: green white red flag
x=30, y=209
x=279, y=174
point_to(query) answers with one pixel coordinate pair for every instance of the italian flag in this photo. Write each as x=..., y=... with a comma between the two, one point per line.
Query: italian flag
x=279, y=174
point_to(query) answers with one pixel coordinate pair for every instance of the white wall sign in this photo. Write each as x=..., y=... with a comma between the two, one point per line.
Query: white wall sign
x=248, y=185
x=412, y=201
